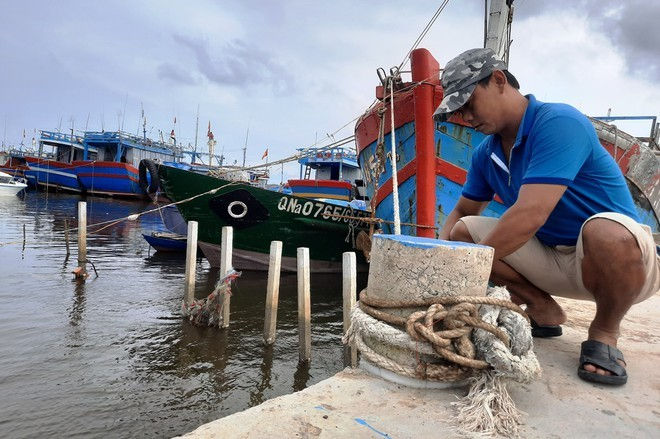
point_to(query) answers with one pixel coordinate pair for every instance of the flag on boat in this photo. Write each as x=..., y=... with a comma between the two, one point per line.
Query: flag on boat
x=209, y=133
x=265, y=154
x=172, y=135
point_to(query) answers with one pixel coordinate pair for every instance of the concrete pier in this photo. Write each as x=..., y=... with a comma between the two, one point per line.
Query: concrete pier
x=559, y=405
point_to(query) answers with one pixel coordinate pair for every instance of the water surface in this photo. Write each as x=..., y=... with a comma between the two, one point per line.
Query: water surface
x=112, y=357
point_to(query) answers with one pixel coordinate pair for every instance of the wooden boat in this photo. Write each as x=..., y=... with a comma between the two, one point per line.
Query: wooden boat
x=166, y=242
x=260, y=216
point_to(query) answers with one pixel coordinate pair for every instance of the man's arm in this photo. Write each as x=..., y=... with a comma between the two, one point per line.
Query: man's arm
x=520, y=222
x=464, y=207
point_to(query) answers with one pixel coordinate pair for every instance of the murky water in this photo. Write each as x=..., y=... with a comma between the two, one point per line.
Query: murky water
x=112, y=357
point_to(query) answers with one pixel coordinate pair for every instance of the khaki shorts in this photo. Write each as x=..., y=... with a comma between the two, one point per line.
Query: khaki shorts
x=558, y=270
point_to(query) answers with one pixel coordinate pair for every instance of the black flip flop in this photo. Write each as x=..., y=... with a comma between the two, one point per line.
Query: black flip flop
x=543, y=331
x=604, y=357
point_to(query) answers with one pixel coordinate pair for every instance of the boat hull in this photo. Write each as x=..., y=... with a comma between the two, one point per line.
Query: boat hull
x=166, y=242
x=109, y=178
x=257, y=261
x=53, y=175
x=11, y=190
x=260, y=216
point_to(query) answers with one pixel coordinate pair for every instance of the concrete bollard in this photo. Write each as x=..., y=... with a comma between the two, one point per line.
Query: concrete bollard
x=225, y=267
x=304, y=306
x=191, y=259
x=272, y=291
x=349, y=285
x=409, y=268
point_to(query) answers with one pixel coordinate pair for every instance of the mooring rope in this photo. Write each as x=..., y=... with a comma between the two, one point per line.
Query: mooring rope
x=450, y=341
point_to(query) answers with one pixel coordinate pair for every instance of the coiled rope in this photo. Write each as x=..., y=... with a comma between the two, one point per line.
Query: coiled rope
x=484, y=339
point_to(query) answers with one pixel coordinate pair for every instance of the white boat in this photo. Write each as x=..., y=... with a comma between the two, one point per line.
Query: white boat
x=10, y=185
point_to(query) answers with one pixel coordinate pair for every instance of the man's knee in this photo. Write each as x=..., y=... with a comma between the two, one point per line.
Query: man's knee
x=603, y=238
x=611, y=255
x=460, y=232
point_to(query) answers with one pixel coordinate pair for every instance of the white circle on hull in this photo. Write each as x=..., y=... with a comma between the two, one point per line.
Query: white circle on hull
x=241, y=214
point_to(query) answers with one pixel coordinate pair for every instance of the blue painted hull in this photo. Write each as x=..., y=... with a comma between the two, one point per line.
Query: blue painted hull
x=109, y=178
x=52, y=175
x=166, y=243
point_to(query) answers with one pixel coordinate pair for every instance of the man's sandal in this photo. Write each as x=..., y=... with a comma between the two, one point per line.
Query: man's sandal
x=544, y=331
x=604, y=357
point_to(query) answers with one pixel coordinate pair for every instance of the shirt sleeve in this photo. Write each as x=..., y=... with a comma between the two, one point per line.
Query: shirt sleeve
x=476, y=187
x=560, y=149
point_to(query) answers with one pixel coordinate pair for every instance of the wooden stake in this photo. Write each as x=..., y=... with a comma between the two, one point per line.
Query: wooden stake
x=82, y=240
x=304, y=322
x=226, y=267
x=272, y=291
x=191, y=259
x=349, y=285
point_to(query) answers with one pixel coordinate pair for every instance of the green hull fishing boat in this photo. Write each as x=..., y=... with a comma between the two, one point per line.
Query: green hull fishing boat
x=260, y=216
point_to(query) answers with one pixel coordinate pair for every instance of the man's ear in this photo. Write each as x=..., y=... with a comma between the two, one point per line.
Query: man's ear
x=499, y=79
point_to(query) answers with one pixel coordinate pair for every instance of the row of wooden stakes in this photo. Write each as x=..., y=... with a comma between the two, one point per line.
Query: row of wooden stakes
x=349, y=285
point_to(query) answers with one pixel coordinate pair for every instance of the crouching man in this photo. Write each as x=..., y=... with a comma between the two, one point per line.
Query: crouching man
x=570, y=228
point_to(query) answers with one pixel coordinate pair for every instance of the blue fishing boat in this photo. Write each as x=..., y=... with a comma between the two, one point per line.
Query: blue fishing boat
x=115, y=171
x=56, y=170
x=337, y=176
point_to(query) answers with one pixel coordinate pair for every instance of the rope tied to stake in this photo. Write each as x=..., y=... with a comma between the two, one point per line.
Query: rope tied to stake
x=208, y=311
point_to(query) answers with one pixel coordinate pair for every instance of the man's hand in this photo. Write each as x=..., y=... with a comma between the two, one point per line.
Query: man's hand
x=464, y=207
x=520, y=222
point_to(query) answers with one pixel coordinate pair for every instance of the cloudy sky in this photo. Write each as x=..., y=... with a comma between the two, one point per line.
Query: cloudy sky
x=294, y=71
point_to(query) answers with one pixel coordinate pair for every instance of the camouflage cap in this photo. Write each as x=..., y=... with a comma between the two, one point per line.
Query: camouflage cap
x=460, y=77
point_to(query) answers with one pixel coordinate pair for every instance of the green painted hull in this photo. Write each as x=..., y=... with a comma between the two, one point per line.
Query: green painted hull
x=260, y=216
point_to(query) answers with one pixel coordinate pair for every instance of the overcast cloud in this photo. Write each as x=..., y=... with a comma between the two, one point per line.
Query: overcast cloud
x=294, y=71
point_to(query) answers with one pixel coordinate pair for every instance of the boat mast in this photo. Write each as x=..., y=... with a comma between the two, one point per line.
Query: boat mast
x=247, y=133
x=498, y=33
x=196, y=131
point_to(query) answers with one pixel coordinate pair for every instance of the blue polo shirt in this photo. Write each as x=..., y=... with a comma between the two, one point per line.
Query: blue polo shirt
x=555, y=144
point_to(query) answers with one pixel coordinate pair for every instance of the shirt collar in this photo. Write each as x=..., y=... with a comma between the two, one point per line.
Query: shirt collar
x=528, y=120
x=523, y=129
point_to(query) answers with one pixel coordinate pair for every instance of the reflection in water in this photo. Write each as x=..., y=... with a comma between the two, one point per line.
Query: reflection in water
x=113, y=356
x=78, y=305
x=257, y=395
x=301, y=376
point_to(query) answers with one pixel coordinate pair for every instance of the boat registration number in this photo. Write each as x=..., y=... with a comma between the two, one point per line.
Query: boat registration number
x=315, y=209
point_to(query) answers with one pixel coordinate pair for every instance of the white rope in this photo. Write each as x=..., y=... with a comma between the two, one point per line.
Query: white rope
x=395, y=177
x=488, y=408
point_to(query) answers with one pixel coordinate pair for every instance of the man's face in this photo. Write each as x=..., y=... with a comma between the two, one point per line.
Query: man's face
x=483, y=110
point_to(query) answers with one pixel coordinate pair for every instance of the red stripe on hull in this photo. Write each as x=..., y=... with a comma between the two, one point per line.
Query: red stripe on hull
x=320, y=183
x=443, y=168
x=103, y=175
